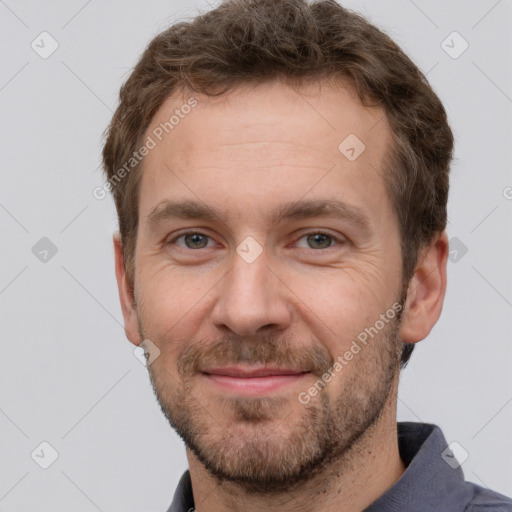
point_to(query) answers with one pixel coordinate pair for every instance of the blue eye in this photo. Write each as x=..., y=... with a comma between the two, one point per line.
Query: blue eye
x=197, y=240
x=318, y=241
x=193, y=240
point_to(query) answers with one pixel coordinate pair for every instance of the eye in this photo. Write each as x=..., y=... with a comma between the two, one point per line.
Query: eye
x=318, y=241
x=192, y=240
x=197, y=240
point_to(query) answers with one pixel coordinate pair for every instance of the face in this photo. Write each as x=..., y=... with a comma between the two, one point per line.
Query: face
x=265, y=245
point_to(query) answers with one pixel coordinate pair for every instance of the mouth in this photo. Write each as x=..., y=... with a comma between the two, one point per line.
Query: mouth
x=253, y=381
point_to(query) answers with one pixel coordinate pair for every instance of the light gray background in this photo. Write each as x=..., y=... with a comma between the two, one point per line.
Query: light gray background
x=69, y=376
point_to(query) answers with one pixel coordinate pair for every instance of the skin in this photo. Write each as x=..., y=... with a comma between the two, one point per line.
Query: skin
x=300, y=303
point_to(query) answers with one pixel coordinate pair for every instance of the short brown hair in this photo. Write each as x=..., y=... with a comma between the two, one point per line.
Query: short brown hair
x=257, y=41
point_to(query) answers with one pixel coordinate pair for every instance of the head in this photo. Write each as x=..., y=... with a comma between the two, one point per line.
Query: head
x=299, y=134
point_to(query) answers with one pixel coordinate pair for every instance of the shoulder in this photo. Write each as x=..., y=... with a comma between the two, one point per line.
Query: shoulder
x=487, y=500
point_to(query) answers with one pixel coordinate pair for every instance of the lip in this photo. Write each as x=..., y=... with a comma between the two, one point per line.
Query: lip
x=251, y=372
x=253, y=381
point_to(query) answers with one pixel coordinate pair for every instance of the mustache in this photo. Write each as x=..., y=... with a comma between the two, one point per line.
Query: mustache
x=264, y=350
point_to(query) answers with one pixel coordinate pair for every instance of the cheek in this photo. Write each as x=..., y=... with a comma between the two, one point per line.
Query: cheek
x=337, y=306
x=171, y=305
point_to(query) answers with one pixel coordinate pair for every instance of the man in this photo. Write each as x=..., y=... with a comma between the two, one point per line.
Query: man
x=280, y=173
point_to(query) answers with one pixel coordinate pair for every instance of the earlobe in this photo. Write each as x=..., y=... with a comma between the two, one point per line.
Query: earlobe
x=426, y=291
x=126, y=298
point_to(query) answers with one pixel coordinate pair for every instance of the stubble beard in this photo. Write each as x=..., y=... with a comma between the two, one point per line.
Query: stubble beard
x=274, y=444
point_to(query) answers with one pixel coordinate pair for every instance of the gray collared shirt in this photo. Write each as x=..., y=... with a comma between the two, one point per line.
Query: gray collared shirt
x=432, y=481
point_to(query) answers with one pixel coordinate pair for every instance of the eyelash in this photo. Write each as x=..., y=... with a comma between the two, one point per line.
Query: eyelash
x=335, y=240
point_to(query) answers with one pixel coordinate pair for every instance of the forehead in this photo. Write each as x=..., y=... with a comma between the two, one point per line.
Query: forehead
x=271, y=138
x=318, y=115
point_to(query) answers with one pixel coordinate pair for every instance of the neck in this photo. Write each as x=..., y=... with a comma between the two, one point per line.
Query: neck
x=350, y=484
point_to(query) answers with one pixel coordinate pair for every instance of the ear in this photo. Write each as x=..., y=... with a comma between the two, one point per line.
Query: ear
x=426, y=291
x=131, y=324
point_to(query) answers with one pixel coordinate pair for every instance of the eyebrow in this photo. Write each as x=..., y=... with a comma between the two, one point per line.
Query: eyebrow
x=303, y=209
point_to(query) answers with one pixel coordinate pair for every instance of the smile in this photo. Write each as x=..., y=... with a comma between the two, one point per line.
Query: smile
x=248, y=381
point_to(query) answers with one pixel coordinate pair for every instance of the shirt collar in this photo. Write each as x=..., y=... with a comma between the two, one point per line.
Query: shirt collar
x=429, y=482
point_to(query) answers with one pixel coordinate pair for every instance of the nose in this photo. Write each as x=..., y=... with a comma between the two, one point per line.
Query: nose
x=252, y=299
